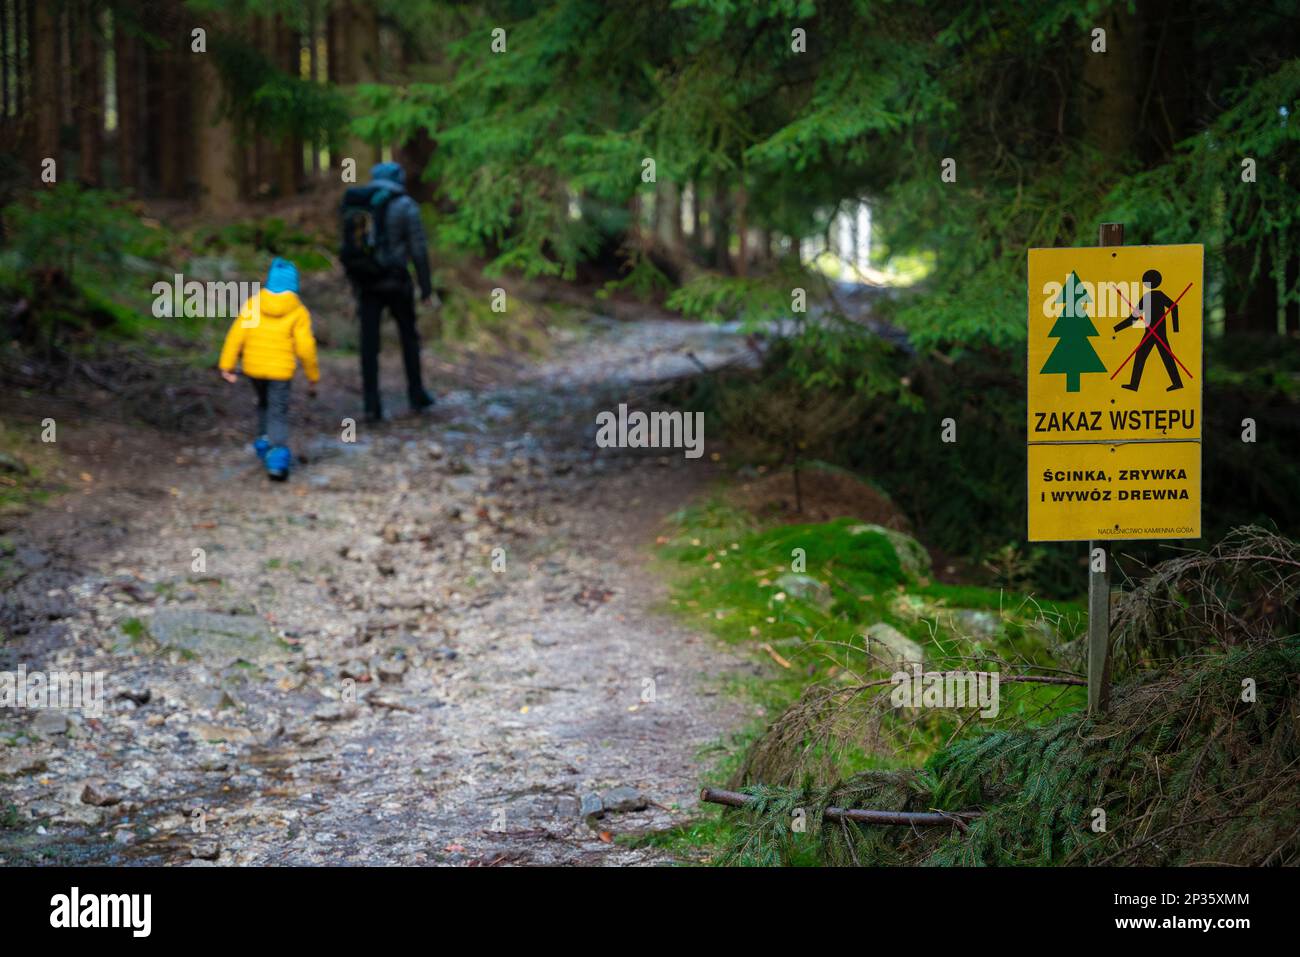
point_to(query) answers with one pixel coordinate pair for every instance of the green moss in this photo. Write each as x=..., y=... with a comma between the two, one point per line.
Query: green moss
x=1186, y=766
x=28, y=481
x=802, y=597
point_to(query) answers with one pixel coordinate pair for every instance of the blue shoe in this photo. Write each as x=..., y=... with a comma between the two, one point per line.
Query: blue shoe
x=260, y=446
x=278, y=460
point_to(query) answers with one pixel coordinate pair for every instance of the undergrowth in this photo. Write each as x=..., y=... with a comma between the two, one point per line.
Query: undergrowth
x=1197, y=760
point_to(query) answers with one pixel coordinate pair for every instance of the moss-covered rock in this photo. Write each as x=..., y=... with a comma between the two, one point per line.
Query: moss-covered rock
x=912, y=556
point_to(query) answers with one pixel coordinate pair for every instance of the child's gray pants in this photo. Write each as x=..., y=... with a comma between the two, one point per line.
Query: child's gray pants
x=272, y=409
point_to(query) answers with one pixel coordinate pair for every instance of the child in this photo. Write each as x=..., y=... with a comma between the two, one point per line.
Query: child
x=272, y=329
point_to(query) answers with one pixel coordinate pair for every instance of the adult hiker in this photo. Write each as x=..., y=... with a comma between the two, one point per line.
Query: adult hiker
x=1151, y=311
x=382, y=232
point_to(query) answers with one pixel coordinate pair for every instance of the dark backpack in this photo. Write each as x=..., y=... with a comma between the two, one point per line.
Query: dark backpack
x=364, y=251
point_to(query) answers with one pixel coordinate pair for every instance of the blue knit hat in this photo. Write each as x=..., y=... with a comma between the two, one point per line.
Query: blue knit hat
x=283, y=276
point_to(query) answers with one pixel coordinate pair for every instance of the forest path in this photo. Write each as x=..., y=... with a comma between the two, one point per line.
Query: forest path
x=488, y=703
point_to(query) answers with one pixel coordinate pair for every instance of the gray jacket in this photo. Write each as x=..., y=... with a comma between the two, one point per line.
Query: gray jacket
x=404, y=234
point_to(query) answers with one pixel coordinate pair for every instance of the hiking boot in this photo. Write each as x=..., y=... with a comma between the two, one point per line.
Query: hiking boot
x=421, y=402
x=261, y=446
x=278, y=461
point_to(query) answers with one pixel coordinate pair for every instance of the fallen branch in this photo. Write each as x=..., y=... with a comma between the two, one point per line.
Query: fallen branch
x=772, y=652
x=860, y=815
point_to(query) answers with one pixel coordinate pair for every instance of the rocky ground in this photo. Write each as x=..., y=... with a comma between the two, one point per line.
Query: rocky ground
x=442, y=642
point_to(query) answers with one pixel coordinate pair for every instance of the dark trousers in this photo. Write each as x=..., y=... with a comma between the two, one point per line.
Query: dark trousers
x=1140, y=360
x=399, y=299
x=272, y=409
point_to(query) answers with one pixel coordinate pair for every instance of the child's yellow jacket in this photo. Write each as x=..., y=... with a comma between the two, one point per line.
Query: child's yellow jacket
x=271, y=330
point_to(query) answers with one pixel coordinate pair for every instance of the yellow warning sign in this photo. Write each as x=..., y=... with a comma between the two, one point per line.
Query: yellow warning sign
x=1126, y=490
x=1115, y=386
x=1115, y=343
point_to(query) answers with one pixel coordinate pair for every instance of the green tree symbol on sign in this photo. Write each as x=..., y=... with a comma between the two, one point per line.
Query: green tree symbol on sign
x=1073, y=354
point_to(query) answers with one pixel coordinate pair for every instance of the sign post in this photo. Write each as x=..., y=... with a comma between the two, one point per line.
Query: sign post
x=1114, y=411
x=1109, y=234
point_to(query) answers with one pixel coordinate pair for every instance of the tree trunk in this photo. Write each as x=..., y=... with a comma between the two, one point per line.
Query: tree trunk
x=1114, y=82
x=313, y=68
x=668, y=216
x=127, y=91
x=214, y=141
x=67, y=75
x=1249, y=305
x=45, y=84
x=90, y=93
x=355, y=56
x=261, y=152
x=289, y=151
x=22, y=64
x=741, y=199
x=633, y=234
x=172, y=148
x=720, y=226
x=414, y=155
x=6, y=98
x=333, y=43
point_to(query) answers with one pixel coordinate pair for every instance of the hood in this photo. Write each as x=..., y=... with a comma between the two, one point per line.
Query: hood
x=277, y=304
x=390, y=177
x=282, y=277
x=389, y=172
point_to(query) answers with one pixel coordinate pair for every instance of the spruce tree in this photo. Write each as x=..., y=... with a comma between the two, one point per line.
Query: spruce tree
x=1073, y=354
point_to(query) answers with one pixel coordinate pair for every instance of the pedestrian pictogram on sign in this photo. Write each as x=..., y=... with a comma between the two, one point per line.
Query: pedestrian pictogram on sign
x=1153, y=303
x=1114, y=438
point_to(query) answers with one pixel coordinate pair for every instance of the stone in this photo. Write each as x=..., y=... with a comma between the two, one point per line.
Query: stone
x=335, y=711
x=141, y=696
x=85, y=816
x=806, y=588
x=392, y=670
x=220, y=733
x=218, y=639
x=37, y=810
x=590, y=804
x=363, y=549
x=31, y=558
x=21, y=761
x=890, y=646
x=911, y=607
x=101, y=794
x=206, y=849
x=50, y=723
x=389, y=700
x=624, y=800
x=9, y=463
x=975, y=622
x=912, y=556
x=464, y=485
x=356, y=669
